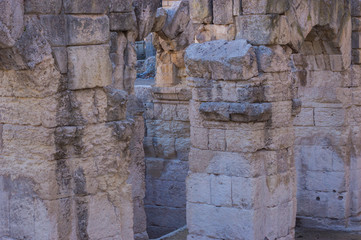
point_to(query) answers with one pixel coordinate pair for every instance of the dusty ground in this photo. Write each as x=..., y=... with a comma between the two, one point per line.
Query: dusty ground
x=301, y=234
x=311, y=234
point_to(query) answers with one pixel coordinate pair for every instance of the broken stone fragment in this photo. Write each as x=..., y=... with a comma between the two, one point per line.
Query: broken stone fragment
x=177, y=20
x=160, y=20
x=145, y=11
x=11, y=22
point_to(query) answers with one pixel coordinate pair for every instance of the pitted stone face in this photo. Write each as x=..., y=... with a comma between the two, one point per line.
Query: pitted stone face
x=233, y=60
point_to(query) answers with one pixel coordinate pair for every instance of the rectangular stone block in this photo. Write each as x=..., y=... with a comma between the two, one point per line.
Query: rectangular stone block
x=199, y=188
x=222, y=11
x=86, y=6
x=201, y=11
x=4, y=212
x=263, y=29
x=122, y=21
x=326, y=117
x=221, y=222
x=29, y=111
x=89, y=66
x=43, y=6
x=217, y=139
x=121, y=6
x=199, y=137
x=55, y=29
x=264, y=6
x=87, y=30
x=221, y=190
x=244, y=141
x=326, y=181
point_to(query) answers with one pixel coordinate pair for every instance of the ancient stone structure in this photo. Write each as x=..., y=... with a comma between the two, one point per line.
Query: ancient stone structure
x=253, y=120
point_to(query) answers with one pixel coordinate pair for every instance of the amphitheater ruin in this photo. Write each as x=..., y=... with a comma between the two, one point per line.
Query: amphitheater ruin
x=251, y=125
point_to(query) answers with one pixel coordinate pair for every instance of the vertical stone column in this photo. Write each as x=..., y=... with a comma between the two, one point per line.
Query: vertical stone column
x=241, y=181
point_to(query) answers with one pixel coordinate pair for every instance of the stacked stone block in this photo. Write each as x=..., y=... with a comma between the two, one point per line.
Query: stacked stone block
x=166, y=147
x=71, y=165
x=241, y=180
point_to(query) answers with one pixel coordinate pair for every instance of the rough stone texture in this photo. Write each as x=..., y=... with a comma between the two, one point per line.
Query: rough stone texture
x=233, y=60
x=89, y=67
x=87, y=30
x=239, y=117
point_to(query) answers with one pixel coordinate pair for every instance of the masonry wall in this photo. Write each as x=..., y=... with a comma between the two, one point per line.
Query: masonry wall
x=72, y=160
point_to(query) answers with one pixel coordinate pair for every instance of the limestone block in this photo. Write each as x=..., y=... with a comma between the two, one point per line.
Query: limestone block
x=327, y=117
x=121, y=6
x=164, y=147
x=167, y=217
x=280, y=138
x=160, y=20
x=201, y=11
x=244, y=141
x=199, y=188
x=182, y=113
x=217, y=139
x=11, y=22
x=221, y=191
x=166, y=170
x=220, y=222
x=235, y=60
x=324, y=136
x=225, y=163
x=304, y=118
x=237, y=112
x=41, y=82
x=273, y=59
x=33, y=142
x=86, y=6
x=182, y=146
x=102, y=217
x=263, y=29
x=264, y=6
x=123, y=21
x=43, y=6
x=169, y=193
x=89, y=66
x=281, y=113
x=222, y=11
x=248, y=193
x=199, y=137
x=325, y=181
x=29, y=111
x=212, y=32
x=87, y=30
x=317, y=158
x=54, y=26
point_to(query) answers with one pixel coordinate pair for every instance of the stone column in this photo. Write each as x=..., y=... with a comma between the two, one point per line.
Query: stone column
x=241, y=182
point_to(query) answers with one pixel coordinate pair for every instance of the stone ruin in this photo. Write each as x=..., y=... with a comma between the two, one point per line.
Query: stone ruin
x=252, y=123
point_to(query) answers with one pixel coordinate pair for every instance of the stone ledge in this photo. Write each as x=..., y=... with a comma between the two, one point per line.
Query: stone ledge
x=236, y=112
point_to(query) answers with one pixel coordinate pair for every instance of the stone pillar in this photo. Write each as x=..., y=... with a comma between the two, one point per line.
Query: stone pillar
x=241, y=181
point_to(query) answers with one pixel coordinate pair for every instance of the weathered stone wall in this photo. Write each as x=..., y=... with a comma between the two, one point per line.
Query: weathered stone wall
x=166, y=146
x=72, y=160
x=167, y=123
